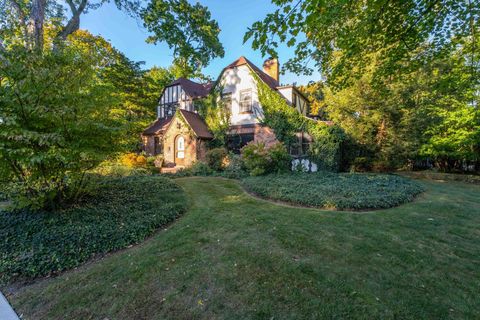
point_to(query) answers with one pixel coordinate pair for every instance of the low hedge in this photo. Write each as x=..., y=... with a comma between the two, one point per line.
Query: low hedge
x=124, y=211
x=344, y=191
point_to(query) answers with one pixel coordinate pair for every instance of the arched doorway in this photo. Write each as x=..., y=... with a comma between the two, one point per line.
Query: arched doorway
x=179, y=150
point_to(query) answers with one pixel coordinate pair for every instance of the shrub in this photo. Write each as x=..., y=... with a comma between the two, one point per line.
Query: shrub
x=361, y=164
x=120, y=213
x=259, y=160
x=133, y=160
x=256, y=158
x=200, y=169
x=280, y=159
x=56, y=123
x=141, y=161
x=216, y=158
x=348, y=191
x=234, y=167
x=119, y=170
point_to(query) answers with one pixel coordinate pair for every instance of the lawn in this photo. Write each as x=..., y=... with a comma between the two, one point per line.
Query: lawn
x=236, y=257
x=344, y=191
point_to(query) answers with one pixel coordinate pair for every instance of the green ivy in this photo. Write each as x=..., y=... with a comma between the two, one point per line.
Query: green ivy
x=343, y=191
x=216, y=116
x=286, y=121
x=118, y=214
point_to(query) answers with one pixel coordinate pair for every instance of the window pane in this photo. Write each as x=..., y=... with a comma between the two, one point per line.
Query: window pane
x=246, y=101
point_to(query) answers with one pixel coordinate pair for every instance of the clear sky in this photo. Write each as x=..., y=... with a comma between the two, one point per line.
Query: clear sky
x=234, y=17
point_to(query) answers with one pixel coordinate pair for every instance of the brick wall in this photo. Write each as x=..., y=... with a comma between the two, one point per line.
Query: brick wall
x=195, y=148
x=261, y=133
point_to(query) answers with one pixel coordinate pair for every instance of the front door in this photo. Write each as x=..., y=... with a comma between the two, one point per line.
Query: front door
x=179, y=150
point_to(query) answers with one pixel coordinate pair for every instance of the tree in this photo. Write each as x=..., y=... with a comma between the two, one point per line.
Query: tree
x=319, y=30
x=314, y=92
x=187, y=29
x=56, y=124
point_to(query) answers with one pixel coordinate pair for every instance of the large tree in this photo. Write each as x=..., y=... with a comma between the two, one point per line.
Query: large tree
x=319, y=30
x=188, y=29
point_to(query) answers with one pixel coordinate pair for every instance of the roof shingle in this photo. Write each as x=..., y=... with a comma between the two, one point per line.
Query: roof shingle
x=197, y=124
x=193, y=89
x=157, y=127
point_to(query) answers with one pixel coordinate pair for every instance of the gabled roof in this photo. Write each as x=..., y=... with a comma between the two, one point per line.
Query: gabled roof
x=197, y=124
x=193, y=89
x=157, y=127
x=272, y=83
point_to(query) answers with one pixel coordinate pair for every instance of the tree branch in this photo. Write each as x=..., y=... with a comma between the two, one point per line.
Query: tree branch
x=74, y=23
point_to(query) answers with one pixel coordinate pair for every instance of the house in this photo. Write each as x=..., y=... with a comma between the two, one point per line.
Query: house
x=182, y=137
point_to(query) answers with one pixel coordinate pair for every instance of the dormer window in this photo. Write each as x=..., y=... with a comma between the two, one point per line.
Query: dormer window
x=246, y=101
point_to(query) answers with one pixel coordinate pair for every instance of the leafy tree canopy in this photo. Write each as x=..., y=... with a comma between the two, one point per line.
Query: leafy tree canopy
x=337, y=35
x=188, y=29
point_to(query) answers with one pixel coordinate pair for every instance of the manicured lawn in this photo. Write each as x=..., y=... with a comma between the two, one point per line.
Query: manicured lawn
x=121, y=212
x=344, y=191
x=235, y=257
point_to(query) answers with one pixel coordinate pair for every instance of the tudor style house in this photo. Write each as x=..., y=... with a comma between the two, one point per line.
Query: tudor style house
x=182, y=136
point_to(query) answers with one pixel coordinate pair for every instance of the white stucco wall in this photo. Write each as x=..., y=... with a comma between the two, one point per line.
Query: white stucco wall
x=235, y=80
x=174, y=94
x=286, y=93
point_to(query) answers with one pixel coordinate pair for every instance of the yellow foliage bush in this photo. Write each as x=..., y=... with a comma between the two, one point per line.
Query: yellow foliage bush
x=133, y=160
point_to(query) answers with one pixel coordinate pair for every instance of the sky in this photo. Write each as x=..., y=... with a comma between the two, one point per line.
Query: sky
x=234, y=17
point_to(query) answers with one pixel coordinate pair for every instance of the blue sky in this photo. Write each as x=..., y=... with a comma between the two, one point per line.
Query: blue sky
x=234, y=17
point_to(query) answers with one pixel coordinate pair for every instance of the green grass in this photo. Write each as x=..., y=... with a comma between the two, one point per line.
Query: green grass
x=122, y=212
x=345, y=191
x=232, y=256
x=440, y=176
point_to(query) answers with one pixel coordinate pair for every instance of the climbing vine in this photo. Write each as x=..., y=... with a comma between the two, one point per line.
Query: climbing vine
x=286, y=121
x=216, y=115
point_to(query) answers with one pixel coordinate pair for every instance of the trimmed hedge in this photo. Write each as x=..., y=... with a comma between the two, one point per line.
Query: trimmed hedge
x=345, y=191
x=124, y=211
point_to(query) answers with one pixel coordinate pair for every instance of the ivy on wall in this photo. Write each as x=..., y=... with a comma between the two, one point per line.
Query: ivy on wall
x=326, y=148
x=216, y=116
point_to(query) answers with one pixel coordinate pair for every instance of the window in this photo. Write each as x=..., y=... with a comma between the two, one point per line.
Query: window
x=301, y=145
x=157, y=146
x=181, y=148
x=169, y=109
x=246, y=101
x=227, y=101
x=236, y=142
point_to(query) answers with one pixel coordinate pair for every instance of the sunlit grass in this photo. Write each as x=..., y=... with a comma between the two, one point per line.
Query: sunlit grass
x=236, y=257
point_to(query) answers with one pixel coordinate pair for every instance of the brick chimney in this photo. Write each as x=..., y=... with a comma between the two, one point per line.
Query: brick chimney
x=272, y=68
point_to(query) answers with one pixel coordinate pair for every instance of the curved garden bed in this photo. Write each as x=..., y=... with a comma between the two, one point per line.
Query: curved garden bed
x=342, y=191
x=122, y=212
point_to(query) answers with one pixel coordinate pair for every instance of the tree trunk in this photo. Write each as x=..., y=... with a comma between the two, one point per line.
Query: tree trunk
x=35, y=24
